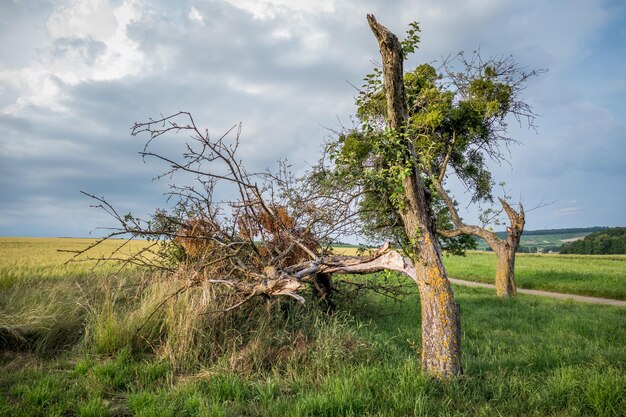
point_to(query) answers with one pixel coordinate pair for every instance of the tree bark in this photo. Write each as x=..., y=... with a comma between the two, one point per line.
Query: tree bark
x=505, y=273
x=441, y=331
x=289, y=281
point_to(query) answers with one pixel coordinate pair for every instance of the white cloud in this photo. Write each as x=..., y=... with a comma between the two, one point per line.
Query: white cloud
x=87, y=41
x=270, y=9
x=83, y=18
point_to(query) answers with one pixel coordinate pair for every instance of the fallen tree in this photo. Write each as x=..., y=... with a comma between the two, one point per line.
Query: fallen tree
x=271, y=239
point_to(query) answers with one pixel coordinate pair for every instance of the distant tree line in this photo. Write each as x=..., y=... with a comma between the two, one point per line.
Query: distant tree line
x=558, y=231
x=564, y=231
x=608, y=241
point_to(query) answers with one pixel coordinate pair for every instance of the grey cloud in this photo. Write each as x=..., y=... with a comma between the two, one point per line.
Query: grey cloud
x=8, y=93
x=22, y=30
x=286, y=91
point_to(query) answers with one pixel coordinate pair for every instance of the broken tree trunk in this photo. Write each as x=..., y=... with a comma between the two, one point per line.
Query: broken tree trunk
x=505, y=273
x=441, y=328
x=505, y=249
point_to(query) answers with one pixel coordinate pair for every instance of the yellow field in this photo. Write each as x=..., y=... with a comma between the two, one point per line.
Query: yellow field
x=37, y=259
x=346, y=251
x=27, y=259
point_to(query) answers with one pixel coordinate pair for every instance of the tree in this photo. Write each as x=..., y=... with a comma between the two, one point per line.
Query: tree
x=441, y=325
x=505, y=249
x=473, y=127
x=455, y=121
x=413, y=128
x=271, y=238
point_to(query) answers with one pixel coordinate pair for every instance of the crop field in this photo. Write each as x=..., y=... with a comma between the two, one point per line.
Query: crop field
x=79, y=340
x=35, y=260
x=593, y=275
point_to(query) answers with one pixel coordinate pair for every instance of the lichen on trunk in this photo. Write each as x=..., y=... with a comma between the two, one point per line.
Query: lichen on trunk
x=441, y=346
x=441, y=320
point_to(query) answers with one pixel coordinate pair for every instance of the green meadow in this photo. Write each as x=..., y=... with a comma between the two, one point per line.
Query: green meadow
x=593, y=275
x=79, y=340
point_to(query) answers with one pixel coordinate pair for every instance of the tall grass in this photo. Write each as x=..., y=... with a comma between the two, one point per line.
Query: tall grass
x=149, y=314
x=191, y=329
x=41, y=319
x=523, y=357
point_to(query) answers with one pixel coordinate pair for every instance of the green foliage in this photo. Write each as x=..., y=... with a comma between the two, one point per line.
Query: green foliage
x=409, y=44
x=375, y=160
x=454, y=117
x=605, y=242
x=464, y=119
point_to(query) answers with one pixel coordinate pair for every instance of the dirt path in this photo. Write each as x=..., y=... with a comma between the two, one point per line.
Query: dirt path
x=581, y=298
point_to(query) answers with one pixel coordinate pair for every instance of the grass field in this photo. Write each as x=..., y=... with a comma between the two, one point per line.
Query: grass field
x=594, y=275
x=68, y=349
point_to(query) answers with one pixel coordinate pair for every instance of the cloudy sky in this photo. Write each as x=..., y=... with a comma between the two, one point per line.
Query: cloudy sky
x=75, y=75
